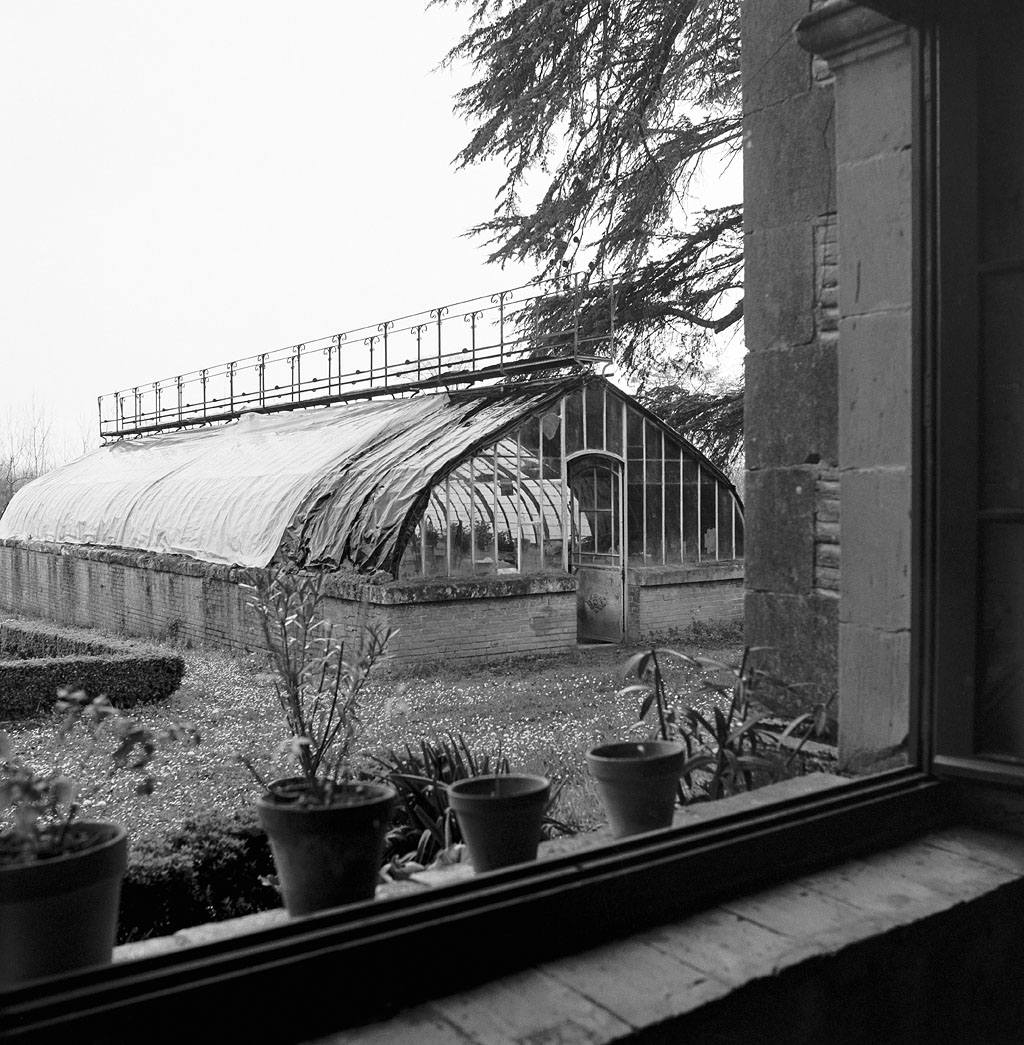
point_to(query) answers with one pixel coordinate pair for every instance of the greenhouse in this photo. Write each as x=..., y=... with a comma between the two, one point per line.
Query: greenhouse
x=465, y=474
x=569, y=477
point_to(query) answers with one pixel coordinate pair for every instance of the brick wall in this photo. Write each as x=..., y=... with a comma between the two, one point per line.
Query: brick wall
x=171, y=597
x=662, y=600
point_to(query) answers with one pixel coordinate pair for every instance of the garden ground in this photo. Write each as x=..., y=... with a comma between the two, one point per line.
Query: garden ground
x=542, y=713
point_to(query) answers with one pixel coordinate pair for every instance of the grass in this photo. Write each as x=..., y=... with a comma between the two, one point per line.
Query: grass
x=542, y=712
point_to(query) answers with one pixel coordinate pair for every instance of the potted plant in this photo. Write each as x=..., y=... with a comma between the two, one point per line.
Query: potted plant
x=326, y=828
x=60, y=877
x=714, y=754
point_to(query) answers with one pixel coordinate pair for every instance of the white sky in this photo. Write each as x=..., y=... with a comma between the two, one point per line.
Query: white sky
x=191, y=182
x=186, y=183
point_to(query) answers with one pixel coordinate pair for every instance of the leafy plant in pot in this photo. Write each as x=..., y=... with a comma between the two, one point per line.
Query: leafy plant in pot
x=705, y=756
x=60, y=876
x=450, y=794
x=326, y=828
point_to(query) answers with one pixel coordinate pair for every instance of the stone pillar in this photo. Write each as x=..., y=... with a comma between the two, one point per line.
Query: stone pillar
x=870, y=58
x=791, y=329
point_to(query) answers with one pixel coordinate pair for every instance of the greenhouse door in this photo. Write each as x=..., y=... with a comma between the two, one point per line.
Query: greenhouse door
x=595, y=486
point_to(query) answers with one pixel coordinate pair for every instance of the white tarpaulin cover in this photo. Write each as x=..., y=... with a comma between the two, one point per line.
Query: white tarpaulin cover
x=331, y=485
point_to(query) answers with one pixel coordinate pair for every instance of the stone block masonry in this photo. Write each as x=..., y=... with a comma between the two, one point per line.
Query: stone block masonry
x=791, y=322
x=174, y=598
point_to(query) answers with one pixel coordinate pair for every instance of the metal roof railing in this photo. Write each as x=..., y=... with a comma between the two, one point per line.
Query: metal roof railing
x=536, y=327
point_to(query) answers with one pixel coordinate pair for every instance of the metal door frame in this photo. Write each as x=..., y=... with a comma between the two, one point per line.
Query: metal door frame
x=618, y=463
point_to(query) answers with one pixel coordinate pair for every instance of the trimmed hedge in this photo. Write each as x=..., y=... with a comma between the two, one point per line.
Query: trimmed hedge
x=30, y=640
x=205, y=870
x=38, y=659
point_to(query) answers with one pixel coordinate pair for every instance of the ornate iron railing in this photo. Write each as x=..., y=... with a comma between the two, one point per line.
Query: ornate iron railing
x=532, y=328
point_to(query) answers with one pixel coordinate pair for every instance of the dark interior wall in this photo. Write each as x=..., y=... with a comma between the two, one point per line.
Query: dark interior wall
x=792, y=518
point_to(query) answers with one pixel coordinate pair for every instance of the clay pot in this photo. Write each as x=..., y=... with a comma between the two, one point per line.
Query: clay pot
x=327, y=855
x=60, y=913
x=637, y=782
x=500, y=817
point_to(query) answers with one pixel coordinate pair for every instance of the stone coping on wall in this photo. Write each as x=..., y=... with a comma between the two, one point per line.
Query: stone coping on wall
x=184, y=565
x=336, y=585
x=687, y=573
x=448, y=589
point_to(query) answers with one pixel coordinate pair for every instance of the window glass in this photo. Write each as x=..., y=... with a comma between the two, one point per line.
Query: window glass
x=551, y=444
x=613, y=427
x=594, y=399
x=652, y=509
x=505, y=509
x=574, y=423
x=673, y=508
x=708, y=492
x=460, y=521
x=725, y=543
x=484, y=516
x=691, y=498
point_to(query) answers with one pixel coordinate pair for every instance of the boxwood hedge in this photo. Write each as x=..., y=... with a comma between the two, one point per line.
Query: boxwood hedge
x=37, y=659
x=205, y=870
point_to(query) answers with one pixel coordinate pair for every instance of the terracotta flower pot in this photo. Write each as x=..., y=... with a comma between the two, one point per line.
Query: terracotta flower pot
x=329, y=855
x=500, y=817
x=60, y=913
x=636, y=782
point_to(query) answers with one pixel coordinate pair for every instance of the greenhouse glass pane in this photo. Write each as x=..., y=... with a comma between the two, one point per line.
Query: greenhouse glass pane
x=460, y=515
x=653, y=442
x=595, y=417
x=654, y=545
x=574, y=423
x=673, y=524
x=551, y=432
x=724, y=522
x=483, y=516
x=708, y=497
x=613, y=424
x=434, y=544
x=635, y=523
x=634, y=436
x=410, y=565
x=691, y=530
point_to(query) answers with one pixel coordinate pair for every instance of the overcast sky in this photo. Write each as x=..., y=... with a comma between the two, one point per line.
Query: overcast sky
x=186, y=183
x=192, y=182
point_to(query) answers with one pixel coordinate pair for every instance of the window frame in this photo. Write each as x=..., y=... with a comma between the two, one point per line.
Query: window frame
x=338, y=968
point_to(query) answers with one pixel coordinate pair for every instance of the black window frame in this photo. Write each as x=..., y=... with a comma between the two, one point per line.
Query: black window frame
x=340, y=968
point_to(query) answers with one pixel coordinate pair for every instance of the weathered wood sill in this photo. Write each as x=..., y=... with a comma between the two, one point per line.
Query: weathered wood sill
x=921, y=943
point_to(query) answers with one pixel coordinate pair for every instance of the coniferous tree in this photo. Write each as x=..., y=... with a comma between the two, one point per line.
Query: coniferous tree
x=603, y=111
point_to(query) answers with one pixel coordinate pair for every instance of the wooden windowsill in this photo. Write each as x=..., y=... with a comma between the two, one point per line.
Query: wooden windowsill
x=660, y=984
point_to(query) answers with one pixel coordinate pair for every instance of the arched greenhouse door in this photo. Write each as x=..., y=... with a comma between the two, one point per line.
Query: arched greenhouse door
x=595, y=551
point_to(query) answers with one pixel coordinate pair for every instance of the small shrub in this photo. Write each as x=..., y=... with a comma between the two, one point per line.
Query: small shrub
x=37, y=660
x=207, y=869
x=714, y=634
x=27, y=686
